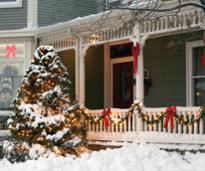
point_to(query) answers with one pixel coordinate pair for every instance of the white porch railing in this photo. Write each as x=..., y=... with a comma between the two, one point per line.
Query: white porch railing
x=130, y=127
x=134, y=129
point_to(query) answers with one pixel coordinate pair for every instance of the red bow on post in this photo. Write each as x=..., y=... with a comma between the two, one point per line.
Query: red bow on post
x=106, y=115
x=11, y=50
x=135, y=53
x=170, y=116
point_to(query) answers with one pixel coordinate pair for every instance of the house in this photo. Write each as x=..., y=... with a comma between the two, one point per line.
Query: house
x=98, y=51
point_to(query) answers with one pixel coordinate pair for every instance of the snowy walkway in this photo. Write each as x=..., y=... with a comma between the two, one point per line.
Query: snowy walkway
x=129, y=158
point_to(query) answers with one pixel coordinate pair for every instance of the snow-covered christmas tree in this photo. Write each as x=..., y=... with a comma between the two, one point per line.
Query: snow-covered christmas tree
x=43, y=112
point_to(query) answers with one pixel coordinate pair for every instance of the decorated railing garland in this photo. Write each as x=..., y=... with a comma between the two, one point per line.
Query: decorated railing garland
x=170, y=115
x=109, y=117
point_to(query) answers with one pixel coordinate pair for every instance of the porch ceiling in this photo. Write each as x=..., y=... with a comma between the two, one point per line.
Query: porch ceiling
x=116, y=25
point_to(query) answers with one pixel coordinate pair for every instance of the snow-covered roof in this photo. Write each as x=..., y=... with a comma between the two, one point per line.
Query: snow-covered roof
x=119, y=24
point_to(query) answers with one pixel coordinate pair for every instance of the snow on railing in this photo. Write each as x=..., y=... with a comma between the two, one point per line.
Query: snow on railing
x=182, y=20
x=189, y=126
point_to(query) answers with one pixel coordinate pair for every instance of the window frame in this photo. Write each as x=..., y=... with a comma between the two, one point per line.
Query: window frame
x=14, y=61
x=189, y=71
x=11, y=4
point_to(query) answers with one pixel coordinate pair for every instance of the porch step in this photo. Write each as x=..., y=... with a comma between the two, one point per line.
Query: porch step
x=165, y=146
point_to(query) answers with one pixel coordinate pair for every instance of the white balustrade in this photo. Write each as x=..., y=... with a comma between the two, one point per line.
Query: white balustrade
x=151, y=130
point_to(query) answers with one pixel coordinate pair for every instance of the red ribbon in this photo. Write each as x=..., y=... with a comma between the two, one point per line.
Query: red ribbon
x=106, y=115
x=135, y=54
x=11, y=50
x=170, y=116
x=203, y=59
x=203, y=56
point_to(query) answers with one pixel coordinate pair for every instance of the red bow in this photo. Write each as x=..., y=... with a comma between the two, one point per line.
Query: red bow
x=170, y=116
x=135, y=53
x=106, y=115
x=11, y=50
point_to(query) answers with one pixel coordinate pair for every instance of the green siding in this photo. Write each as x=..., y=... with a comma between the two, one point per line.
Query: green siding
x=14, y=18
x=94, y=77
x=54, y=11
x=165, y=58
x=68, y=59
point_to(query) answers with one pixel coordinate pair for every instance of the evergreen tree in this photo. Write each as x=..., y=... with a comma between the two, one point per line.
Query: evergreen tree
x=43, y=111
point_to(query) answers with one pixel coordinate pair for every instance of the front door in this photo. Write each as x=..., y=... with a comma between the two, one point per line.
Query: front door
x=122, y=84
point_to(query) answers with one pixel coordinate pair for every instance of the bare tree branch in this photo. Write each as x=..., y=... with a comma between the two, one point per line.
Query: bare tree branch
x=165, y=9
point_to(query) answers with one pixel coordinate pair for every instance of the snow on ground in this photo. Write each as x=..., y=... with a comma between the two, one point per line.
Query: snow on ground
x=128, y=158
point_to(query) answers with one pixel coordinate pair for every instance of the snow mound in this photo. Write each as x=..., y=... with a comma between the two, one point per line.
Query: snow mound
x=128, y=158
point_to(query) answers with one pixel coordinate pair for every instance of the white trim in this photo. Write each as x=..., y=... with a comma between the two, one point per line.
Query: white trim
x=11, y=4
x=32, y=13
x=17, y=33
x=189, y=71
x=111, y=1
x=5, y=112
x=117, y=61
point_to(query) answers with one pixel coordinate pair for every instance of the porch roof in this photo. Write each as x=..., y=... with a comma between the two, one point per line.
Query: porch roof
x=117, y=25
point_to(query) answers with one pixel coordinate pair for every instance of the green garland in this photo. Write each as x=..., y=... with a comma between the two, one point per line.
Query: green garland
x=181, y=119
x=113, y=119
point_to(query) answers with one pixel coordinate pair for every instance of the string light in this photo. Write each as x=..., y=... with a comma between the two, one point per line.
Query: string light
x=94, y=38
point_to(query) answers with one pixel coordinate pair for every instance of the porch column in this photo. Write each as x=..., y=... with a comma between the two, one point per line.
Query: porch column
x=139, y=76
x=81, y=71
x=77, y=64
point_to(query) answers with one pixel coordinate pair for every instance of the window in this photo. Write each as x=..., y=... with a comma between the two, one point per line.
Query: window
x=122, y=50
x=10, y=3
x=11, y=72
x=198, y=77
x=195, y=74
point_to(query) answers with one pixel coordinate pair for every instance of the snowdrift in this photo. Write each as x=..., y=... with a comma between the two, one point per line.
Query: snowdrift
x=128, y=158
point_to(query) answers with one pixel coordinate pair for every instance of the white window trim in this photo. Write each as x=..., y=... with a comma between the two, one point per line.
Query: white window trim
x=189, y=69
x=11, y=4
x=111, y=1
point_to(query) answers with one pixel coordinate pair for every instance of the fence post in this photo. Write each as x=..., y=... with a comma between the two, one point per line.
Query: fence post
x=138, y=122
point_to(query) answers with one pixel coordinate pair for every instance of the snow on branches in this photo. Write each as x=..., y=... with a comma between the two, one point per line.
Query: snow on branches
x=43, y=111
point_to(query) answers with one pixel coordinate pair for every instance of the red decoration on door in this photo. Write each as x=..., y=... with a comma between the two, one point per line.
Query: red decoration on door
x=170, y=116
x=11, y=51
x=135, y=53
x=106, y=115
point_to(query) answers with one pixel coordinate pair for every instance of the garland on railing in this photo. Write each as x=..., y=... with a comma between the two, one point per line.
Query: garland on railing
x=113, y=118
x=181, y=119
